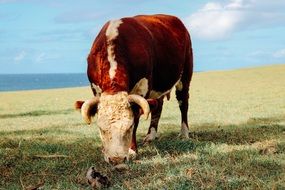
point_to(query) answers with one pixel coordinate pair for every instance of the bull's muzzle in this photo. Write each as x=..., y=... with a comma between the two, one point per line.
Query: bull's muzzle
x=116, y=160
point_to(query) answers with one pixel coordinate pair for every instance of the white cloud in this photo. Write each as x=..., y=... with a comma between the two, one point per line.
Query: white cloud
x=40, y=58
x=212, y=7
x=43, y=57
x=259, y=53
x=266, y=56
x=279, y=54
x=20, y=56
x=217, y=20
x=235, y=4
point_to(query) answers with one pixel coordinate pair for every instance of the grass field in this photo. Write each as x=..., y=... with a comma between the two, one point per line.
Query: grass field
x=237, y=121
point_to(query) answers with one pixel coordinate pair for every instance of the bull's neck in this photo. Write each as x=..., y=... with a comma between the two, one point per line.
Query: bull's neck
x=119, y=82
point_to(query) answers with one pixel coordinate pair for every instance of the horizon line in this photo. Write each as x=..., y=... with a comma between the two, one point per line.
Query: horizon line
x=196, y=71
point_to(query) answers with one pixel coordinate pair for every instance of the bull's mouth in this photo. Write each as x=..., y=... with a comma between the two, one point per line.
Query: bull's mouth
x=118, y=163
x=116, y=160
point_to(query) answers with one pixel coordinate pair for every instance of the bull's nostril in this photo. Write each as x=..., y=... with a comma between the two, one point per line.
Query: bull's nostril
x=125, y=159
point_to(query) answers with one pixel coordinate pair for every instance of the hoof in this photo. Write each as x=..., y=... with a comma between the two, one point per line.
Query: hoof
x=184, y=133
x=184, y=136
x=150, y=137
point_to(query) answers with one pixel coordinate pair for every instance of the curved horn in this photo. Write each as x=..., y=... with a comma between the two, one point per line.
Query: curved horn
x=87, y=107
x=141, y=102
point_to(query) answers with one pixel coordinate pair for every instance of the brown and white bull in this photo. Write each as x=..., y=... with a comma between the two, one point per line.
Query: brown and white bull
x=133, y=63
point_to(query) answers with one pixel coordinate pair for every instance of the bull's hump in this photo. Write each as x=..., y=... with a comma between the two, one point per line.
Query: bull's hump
x=112, y=33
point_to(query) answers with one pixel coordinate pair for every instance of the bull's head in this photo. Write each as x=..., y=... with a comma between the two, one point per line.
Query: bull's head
x=115, y=119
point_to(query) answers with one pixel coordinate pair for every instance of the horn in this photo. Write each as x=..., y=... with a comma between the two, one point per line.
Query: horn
x=87, y=107
x=142, y=102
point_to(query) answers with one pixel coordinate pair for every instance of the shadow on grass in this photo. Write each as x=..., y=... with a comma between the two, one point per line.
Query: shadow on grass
x=238, y=169
x=19, y=161
x=254, y=130
x=202, y=163
x=36, y=113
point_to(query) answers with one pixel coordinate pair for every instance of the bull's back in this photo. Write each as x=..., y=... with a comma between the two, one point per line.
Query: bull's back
x=170, y=43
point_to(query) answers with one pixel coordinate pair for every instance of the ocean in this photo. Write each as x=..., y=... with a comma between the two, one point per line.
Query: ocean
x=15, y=82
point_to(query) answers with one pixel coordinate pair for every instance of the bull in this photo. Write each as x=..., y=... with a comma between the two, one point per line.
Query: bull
x=133, y=63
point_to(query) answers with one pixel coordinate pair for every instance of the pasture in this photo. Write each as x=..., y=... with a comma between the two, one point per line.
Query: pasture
x=237, y=121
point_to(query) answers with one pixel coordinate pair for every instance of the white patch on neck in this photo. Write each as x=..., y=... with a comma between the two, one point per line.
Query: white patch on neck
x=112, y=30
x=141, y=88
x=156, y=94
x=179, y=85
x=97, y=89
x=111, y=33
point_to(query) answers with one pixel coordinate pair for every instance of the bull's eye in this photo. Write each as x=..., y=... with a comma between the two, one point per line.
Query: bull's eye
x=103, y=132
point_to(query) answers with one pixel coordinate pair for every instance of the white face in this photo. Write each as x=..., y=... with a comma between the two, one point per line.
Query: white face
x=115, y=121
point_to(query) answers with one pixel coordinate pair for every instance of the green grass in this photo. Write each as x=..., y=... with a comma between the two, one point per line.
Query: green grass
x=237, y=121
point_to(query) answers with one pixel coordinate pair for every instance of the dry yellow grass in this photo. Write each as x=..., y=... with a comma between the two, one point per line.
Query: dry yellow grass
x=237, y=121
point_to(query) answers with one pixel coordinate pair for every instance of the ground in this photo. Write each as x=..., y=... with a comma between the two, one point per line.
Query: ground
x=237, y=124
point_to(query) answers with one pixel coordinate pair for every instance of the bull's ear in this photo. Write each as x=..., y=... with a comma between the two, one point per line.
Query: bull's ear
x=93, y=110
x=89, y=109
x=78, y=105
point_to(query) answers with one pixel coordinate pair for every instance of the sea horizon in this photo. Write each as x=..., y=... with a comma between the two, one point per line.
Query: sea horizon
x=38, y=81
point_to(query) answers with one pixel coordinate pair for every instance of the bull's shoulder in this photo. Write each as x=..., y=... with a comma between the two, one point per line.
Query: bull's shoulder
x=160, y=20
x=156, y=18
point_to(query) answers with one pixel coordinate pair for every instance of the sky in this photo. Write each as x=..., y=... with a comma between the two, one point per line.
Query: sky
x=51, y=36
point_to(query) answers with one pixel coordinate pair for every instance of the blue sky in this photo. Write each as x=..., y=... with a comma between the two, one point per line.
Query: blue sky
x=49, y=36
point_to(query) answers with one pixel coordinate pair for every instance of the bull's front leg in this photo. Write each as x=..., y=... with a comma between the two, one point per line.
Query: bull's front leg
x=155, y=116
x=134, y=149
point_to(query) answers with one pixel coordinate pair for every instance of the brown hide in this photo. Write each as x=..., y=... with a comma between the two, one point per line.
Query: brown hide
x=156, y=47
